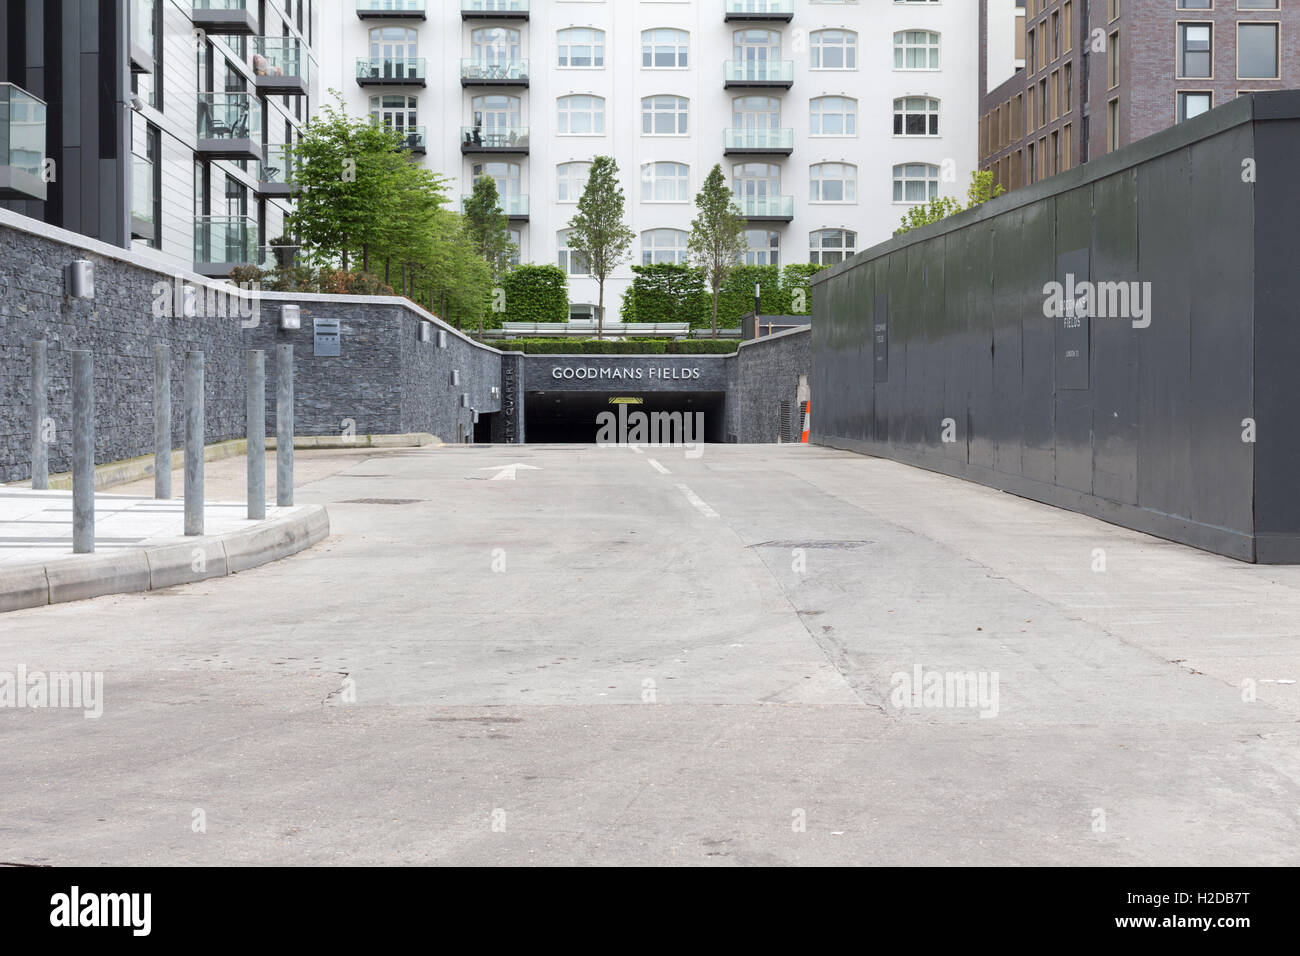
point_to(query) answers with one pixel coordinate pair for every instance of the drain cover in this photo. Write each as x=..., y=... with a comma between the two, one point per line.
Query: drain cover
x=381, y=501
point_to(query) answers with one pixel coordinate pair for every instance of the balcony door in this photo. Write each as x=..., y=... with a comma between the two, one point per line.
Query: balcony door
x=390, y=49
x=495, y=46
x=495, y=117
x=394, y=111
x=756, y=184
x=757, y=51
x=756, y=112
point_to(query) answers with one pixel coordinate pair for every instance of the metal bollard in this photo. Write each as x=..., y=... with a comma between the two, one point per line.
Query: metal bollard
x=284, y=426
x=162, y=421
x=40, y=409
x=255, y=420
x=83, y=452
x=193, y=443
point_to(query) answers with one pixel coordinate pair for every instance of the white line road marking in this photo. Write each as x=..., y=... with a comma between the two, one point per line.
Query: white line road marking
x=696, y=500
x=658, y=467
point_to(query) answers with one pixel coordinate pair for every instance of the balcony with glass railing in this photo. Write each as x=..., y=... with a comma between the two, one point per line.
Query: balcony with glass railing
x=229, y=126
x=767, y=207
x=414, y=139
x=494, y=9
x=22, y=144
x=223, y=242
x=494, y=139
x=390, y=71
x=493, y=72
x=225, y=17
x=758, y=141
x=143, y=198
x=758, y=10
x=514, y=207
x=281, y=65
x=142, y=35
x=274, y=173
x=758, y=73
x=391, y=9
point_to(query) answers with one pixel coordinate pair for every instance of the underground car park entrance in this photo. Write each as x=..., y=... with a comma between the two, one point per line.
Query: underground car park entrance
x=625, y=398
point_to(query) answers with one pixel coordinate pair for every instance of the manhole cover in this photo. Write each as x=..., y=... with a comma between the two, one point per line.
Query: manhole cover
x=381, y=501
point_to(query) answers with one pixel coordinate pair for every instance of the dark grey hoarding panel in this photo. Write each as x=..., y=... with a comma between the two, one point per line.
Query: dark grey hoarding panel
x=1145, y=429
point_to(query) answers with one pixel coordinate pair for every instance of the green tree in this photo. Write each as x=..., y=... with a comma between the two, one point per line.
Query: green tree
x=348, y=172
x=717, y=234
x=488, y=228
x=666, y=292
x=980, y=190
x=597, y=232
x=536, y=294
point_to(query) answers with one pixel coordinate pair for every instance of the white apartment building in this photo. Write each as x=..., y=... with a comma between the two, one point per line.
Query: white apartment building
x=829, y=117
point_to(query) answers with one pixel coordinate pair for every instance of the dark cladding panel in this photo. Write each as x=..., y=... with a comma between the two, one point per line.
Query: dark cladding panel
x=1008, y=296
x=1073, y=342
x=1115, y=344
x=1169, y=214
x=1034, y=268
x=1222, y=338
x=979, y=353
x=1277, y=342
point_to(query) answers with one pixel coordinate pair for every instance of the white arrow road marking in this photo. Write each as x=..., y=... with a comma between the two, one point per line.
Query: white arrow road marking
x=508, y=472
x=658, y=467
x=699, y=502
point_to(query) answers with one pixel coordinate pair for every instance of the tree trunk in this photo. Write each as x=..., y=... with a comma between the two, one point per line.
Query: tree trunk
x=715, y=311
x=365, y=257
x=600, y=312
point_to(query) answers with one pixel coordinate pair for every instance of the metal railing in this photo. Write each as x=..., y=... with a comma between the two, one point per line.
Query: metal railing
x=494, y=6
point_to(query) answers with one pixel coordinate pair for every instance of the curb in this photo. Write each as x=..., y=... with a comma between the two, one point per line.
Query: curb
x=136, y=469
x=148, y=569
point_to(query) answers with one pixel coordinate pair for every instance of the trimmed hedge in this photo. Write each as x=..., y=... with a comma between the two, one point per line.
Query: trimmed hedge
x=536, y=294
x=607, y=347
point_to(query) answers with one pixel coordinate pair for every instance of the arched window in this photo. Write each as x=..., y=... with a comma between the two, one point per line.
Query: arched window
x=834, y=50
x=495, y=46
x=833, y=116
x=665, y=49
x=664, y=115
x=829, y=246
x=665, y=182
x=580, y=48
x=571, y=180
x=581, y=115
x=757, y=187
x=764, y=247
x=915, y=182
x=916, y=116
x=833, y=182
x=663, y=245
x=573, y=263
x=916, y=50
x=516, y=240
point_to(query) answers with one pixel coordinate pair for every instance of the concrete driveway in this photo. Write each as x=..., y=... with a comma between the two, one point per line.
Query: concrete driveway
x=632, y=656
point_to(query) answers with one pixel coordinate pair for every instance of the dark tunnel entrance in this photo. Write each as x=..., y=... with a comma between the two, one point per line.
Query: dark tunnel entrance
x=571, y=417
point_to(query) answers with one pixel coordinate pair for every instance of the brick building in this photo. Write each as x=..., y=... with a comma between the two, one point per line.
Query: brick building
x=1100, y=74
